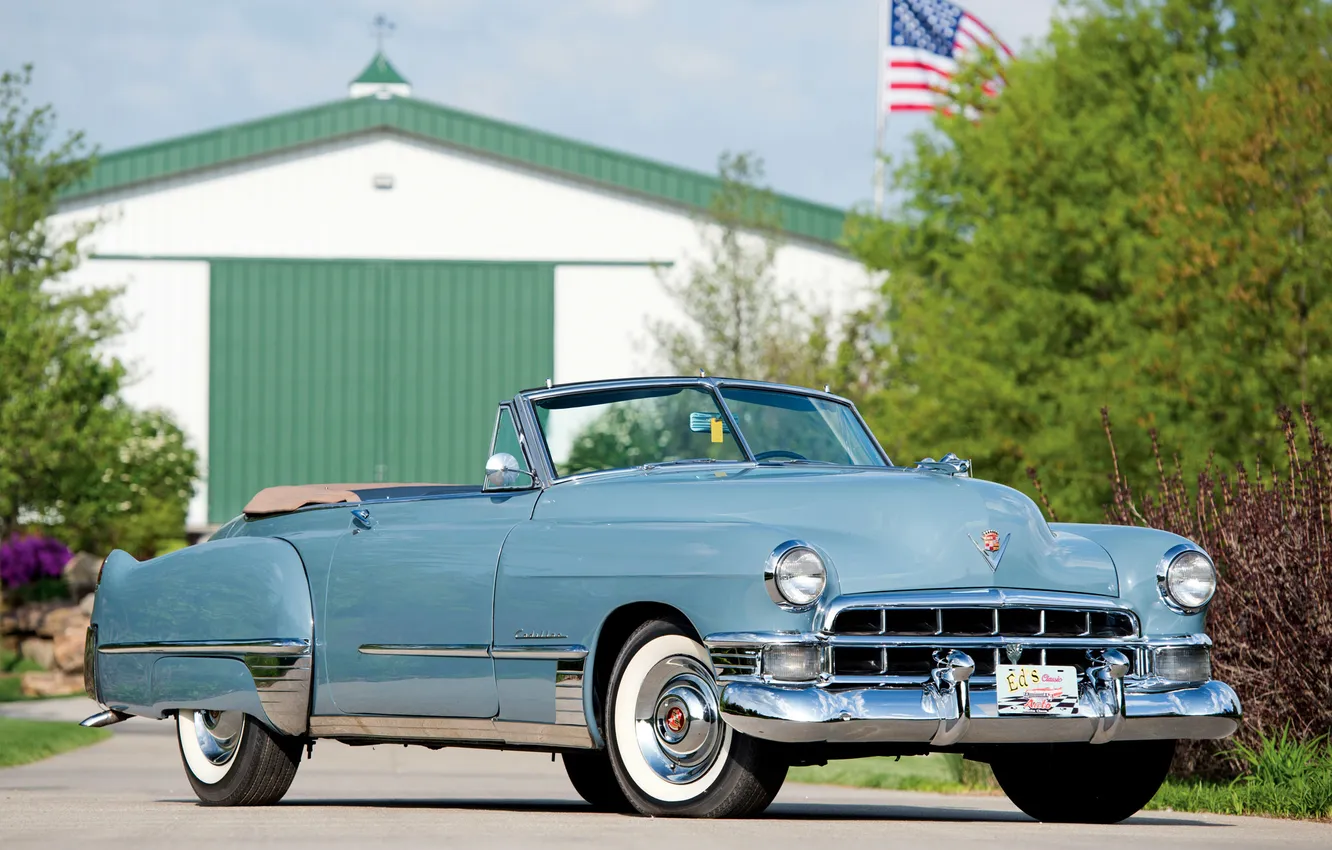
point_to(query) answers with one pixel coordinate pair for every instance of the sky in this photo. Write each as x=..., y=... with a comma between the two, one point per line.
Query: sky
x=675, y=80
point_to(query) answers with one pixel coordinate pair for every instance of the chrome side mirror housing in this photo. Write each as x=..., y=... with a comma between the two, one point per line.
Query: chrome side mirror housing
x=502, y=472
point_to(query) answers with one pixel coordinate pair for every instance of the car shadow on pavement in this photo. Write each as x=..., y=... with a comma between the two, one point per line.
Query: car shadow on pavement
x=779, y=811
x=853, y=811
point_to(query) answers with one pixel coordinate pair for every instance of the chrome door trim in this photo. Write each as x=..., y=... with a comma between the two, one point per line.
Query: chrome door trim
x=278, y=646
x=442, y=650
x=539, y=653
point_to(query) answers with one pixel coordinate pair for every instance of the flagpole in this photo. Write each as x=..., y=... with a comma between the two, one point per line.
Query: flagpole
x=880, y=114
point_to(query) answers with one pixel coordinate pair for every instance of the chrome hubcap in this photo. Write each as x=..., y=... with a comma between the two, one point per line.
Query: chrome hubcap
x=219, y=734
x=678, y=726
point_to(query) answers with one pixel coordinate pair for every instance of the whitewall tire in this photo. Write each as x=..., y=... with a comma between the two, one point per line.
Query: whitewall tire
x=231, y=759
x=670, y=749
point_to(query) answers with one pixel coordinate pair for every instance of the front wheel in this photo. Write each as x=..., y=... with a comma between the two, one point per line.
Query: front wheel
x=231, y=759
x=1113, y=781
x=671, y=752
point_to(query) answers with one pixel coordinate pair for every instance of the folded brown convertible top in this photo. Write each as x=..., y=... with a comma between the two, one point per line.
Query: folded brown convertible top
x=280, y=500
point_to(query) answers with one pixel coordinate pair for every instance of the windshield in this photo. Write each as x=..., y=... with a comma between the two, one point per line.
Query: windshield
x=785, y=426
x=618, y=429
x=625, y=428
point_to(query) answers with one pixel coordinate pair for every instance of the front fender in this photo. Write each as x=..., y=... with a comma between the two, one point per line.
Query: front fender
x=223, y=625
x=1136, y=552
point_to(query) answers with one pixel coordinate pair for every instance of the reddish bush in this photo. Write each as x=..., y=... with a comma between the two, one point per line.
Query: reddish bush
x=1270, y=533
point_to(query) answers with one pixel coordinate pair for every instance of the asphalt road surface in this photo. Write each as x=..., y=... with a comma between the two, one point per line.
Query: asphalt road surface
x=131, y=791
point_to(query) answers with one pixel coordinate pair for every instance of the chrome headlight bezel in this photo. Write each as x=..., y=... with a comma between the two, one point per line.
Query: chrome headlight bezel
x=774, y=580
x=1163, y=578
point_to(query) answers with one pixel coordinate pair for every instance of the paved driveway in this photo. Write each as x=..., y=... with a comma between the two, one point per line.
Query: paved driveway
x=131, y=792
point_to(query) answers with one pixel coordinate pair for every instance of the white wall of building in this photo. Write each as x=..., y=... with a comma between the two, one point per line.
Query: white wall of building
x=166, y=346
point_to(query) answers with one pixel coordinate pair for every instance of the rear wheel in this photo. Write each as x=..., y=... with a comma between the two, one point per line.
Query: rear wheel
x=1109, y=782
x=231, y=759
x=670, y=750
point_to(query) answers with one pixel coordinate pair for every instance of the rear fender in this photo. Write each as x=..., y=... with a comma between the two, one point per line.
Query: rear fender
x=223, y=625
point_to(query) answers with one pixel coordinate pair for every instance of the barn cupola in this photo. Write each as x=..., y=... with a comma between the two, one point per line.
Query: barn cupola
x=380, y=79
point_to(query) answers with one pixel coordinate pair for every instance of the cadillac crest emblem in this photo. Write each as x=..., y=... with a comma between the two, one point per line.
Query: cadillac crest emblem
x=992, y=546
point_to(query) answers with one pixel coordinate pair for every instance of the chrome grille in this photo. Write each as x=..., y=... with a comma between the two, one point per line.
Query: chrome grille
x=985, y=621
x=896, y=643
x=735, y=660
x=915, y=662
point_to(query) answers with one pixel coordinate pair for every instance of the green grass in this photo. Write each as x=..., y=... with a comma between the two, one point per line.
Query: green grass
x=944, y=774
x=24, y=741
x=1284, y=778
x=11, y=668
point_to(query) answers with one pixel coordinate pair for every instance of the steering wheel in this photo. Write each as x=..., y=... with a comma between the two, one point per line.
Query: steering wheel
x=776, y=453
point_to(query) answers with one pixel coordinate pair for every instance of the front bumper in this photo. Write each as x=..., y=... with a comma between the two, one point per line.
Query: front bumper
x=963, y=715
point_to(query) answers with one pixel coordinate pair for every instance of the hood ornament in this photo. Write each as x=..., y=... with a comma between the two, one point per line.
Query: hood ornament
x=950, y=464
x=992, y=547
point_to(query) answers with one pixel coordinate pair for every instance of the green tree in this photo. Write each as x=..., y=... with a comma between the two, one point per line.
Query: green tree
x=72, y=454
x=739, y=321
x=1138, y=221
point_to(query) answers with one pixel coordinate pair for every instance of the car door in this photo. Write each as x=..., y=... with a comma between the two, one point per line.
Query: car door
x=408, y=616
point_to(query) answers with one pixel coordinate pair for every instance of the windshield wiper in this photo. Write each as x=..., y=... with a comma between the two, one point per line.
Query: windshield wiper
x=785, y=460
x=679, y=462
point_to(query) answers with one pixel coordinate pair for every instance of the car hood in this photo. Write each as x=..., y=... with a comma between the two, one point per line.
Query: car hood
x=882, y=529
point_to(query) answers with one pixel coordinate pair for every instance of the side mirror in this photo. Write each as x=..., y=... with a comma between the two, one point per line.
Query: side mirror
x=502, y=472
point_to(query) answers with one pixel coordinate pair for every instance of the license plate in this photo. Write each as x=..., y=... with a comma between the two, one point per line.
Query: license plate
x=1030, y=689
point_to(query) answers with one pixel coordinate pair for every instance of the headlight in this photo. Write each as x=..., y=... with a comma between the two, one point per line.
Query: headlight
x=795, y=575
x=1186, y=578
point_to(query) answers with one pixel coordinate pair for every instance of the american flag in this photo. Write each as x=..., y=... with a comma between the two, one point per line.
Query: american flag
x=924, y=40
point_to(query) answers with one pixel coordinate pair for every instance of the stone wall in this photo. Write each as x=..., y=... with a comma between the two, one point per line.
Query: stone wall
x=51, y=634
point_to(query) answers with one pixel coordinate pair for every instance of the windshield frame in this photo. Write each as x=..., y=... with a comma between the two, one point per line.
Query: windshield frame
x=527, y=400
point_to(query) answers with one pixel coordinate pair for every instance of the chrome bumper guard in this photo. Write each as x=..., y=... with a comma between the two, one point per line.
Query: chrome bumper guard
x=948, y=711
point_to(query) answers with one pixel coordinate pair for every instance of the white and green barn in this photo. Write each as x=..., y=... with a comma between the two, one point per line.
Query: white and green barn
x=342, y=293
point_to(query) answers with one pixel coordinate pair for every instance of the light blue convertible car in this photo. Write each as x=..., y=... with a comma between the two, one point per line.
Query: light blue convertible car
x=683, y=586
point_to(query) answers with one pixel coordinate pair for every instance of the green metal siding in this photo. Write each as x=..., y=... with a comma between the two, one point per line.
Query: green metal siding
x=356, y=371
x=463, y=130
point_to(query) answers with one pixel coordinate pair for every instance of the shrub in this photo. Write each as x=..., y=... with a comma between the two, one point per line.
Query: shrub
x=31, y=558
x=1270, y=533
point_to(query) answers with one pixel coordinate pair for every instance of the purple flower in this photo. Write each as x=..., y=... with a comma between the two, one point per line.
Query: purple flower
x=30, y=558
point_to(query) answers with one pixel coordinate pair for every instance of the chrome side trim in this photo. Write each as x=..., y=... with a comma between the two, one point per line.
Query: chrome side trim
x=90, y=664
x=445, y=650
x=462, y=730
x=281, y=646
x=569, y=693
x=539, y=653
x=281, y=669
x=283, y=682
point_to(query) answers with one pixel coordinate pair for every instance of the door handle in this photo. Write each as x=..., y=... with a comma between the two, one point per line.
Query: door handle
x=360, y=519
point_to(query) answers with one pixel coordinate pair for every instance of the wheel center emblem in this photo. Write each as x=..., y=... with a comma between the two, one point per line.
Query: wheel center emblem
x=675, y=719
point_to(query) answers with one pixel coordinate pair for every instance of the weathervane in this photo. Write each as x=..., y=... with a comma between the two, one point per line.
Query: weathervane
x=383, y=28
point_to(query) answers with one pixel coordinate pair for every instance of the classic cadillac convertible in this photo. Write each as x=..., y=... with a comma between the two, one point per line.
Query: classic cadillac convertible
x=683, y=586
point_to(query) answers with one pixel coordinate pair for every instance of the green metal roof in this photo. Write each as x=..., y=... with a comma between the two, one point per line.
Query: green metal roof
x=380, y=70
x=449, y=127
